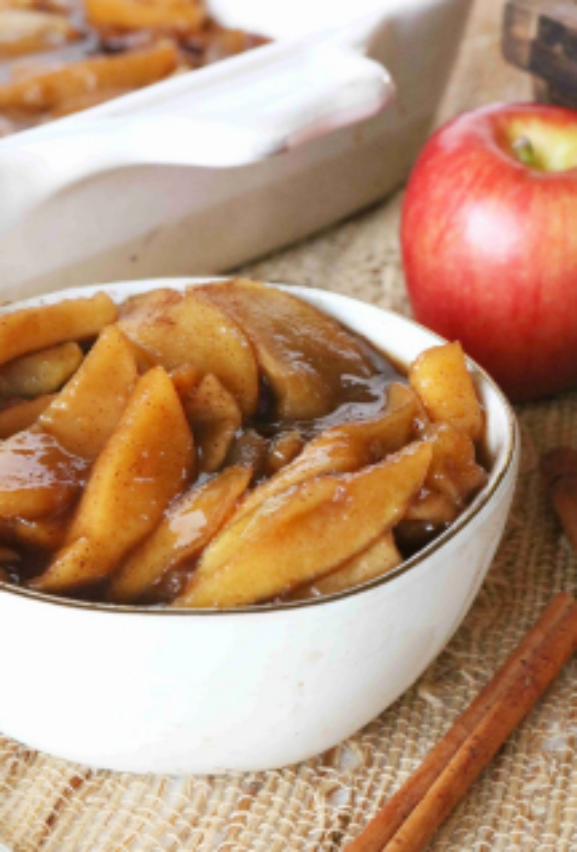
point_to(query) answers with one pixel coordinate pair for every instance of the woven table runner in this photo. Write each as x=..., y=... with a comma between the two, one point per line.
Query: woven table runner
x=526, y=800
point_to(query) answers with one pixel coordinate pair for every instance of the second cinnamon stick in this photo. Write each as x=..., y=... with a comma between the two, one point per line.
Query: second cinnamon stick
x=488, y=737
x=559, y=469
x=389, y=819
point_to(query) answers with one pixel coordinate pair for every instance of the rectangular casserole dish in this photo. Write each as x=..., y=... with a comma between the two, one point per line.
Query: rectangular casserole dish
x=87, y=198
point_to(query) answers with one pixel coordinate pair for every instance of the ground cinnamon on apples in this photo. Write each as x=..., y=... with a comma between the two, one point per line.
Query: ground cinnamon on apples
x=559, y=469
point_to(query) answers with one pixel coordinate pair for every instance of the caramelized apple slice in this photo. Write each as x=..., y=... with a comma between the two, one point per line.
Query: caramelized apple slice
x=45, y=534
x=32, y=329
x=185, y=380
x=21, y=415
x=59, y=7
x=283, y=450
x=306, y=356
x=52, y=87
x=440, y=377
x=37, y=476
x=182, y=16
x=30, y=31
x=215, y=418
x=303, y=534
x=342, y=449
x=146, y=463
x=400, y=395
x=85, y=414
x=40, y=373
x=433, y=508
x=145, y=360
x=249, y=449
x=454, y=471
x=379, y=558
x=185, y=329
x=190, y=524
x=76, y=565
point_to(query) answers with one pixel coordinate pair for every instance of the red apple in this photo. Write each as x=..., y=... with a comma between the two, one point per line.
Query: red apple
x=489, y=239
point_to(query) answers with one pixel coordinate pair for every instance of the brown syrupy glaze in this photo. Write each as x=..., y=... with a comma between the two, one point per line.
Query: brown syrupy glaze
x=38, y=459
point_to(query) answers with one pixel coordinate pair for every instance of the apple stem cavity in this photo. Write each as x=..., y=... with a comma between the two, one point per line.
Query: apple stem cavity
x=525, y=152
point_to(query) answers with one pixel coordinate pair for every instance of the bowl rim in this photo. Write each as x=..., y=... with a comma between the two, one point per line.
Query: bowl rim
x=471, y=512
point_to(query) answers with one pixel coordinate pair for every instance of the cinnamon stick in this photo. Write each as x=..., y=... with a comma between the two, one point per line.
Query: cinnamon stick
x=559, y=469
x=419, y=807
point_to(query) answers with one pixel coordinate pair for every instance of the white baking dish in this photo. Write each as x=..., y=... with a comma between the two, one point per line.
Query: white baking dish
x=168, y=690
x=86, y=198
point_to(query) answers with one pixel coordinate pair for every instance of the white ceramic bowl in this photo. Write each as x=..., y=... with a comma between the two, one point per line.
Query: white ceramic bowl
x=260, y=687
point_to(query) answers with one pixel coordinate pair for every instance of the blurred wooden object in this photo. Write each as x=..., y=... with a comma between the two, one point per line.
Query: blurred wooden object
x=540, y=36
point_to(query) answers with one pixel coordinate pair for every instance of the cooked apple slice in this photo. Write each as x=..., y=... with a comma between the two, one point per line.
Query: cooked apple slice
x=86, y=412
x=145, y=360
x=145, y=464
x=182, y=16
x=45, y=534
x=441, y=378
x=30, y=31
x=308, y=358
x=185, y=380
x=283, y=450
x=454, y=471
x=32, y=329
x=37, y=476
x=186, y=329
x=249, y=449
x=215, y=418
x=57, y=6
x=400, y=395
x=21, y=415
x=306, y=532
x=41, y=372
x=76, y=565
x=342, y=449
x=379, y=558
x=53, y=87
x=189, y=525
x=433, y=508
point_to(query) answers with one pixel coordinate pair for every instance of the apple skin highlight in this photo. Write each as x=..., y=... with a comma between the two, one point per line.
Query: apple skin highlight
x=490, y=243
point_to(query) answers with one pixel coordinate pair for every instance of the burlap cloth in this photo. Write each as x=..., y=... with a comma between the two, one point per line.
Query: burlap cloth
x=527, y=800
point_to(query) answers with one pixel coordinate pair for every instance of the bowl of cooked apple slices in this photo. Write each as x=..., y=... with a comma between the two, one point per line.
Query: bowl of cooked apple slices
x=237, y=521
